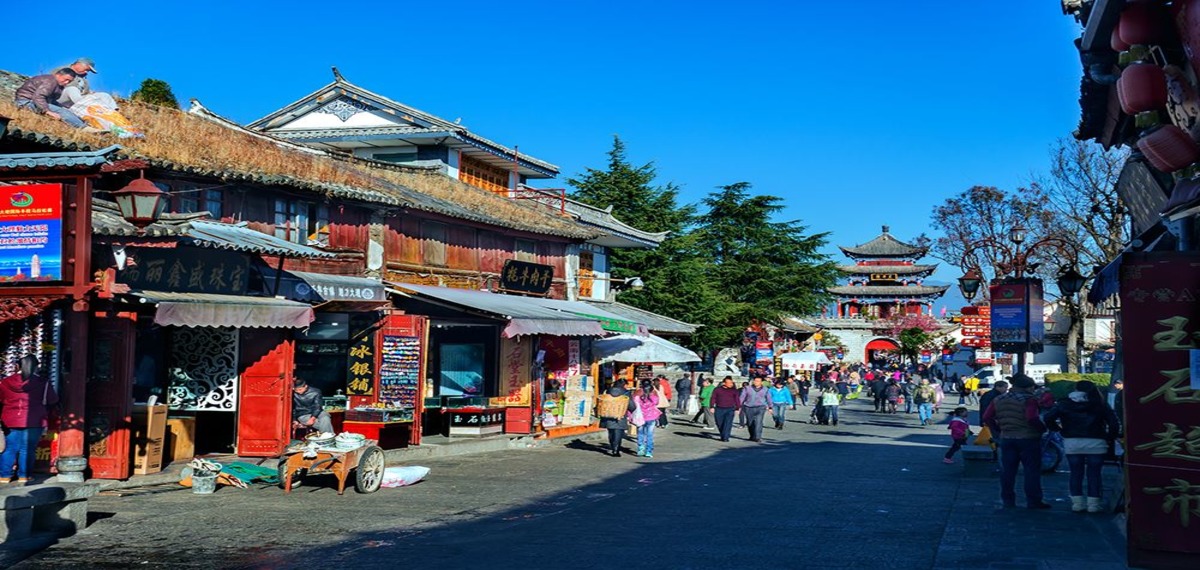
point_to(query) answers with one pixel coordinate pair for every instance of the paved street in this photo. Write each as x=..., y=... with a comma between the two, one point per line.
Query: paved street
x=870, y=493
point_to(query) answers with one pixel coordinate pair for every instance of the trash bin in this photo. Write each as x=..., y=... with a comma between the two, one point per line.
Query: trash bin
x=204, y=482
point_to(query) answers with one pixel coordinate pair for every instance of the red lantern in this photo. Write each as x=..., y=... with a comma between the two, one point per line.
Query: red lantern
x=1169, y=148
x=1142, y=87
x=1142, y=23
x=1115, y=42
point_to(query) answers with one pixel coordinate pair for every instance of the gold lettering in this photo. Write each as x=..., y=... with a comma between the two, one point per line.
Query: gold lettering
x=1173, y=338
x=1180, y=495
x=1176, y=390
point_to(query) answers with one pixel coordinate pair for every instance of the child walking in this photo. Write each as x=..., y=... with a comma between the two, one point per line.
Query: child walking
x=960, y=430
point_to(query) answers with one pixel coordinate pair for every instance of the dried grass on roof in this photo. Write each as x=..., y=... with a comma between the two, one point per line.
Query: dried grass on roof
x=186, y=140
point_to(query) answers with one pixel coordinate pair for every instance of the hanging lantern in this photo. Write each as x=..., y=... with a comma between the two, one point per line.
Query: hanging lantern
x=1142, y=87
x=1169, y=148
x=140, y=202
x=1142, y=23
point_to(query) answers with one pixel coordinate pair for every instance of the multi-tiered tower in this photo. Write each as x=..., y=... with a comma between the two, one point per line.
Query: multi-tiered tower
x=885, y=280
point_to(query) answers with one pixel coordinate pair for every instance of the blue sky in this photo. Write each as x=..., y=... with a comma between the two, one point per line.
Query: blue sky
x=857, y=114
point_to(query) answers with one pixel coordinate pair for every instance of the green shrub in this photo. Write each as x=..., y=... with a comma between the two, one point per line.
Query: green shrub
x=1061, y=384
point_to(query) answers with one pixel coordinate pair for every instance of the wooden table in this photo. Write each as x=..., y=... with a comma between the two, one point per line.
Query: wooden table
x=366, y=461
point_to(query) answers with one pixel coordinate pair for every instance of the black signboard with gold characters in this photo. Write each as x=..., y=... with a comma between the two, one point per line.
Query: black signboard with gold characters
x=187, y=270
x=360, y=366
x=526, y=277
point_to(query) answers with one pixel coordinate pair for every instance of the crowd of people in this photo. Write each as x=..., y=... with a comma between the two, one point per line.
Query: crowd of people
x=1014, y=416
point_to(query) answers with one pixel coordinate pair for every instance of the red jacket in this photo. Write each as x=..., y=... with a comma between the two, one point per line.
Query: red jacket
x=25, y=401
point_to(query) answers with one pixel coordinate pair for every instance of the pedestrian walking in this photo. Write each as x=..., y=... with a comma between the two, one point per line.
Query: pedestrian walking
x=793, y=387
x=878, y=386
x=923, y=397
x=960, y=430
x=725, y=399
x=647, y=401
x=831, y=399
x=781, y=400
x=805, y=386
x=28, y=399
x=1088, y=426
x=906, y=394
x=960, y=386
x=891, y=396
x=614, y=407
x=706, y=390
x=755, y=400
x=683, y=391
x=663, y=389
x=1015, y=417
x=742, y=409
x=939, y=396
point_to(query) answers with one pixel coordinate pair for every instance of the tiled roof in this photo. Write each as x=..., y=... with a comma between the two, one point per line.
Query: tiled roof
x=885, y=245
x=306, y=134
x=342, y=87
x=889, y=291
x=58, y=160
x=897, y=269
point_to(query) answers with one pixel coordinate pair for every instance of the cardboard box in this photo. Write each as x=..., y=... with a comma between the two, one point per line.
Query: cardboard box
x=149, y=430
x=579, y=383
x=181, y=440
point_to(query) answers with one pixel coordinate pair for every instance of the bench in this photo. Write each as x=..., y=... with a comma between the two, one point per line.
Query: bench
x=55, y=508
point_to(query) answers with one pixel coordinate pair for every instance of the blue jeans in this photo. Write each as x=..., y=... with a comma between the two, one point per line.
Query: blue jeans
x=924, y=412
x=20, y=445
x=778, y=411
x=908, y=404
x=754, y=420
x=1026, y=454
x=67, y=116
x=833, y=417
x=724, y=417
x=1089, y=464
x=645, y=438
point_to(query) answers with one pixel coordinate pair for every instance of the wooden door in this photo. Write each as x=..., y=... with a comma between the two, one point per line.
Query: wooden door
x=110, y=396
x=265, y=403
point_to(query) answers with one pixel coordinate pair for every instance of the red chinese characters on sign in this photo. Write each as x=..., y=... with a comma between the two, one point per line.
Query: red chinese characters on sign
x=514, y=372
x=1161, y=328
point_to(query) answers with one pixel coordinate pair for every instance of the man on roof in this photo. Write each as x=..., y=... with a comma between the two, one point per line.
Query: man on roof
x=40, y=94
x=74, y=91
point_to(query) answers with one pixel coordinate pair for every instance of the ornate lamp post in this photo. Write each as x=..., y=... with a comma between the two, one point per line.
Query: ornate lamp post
x=1018, y=289
x=141, y=202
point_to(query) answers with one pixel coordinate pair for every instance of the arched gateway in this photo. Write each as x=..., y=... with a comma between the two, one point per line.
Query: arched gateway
x=873, y=349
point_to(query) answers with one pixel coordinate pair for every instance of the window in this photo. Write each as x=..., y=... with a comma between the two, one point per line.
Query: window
x=213, y=200
x=525, y=250
x=482, y=175
x=433, y=243
x=298, y=221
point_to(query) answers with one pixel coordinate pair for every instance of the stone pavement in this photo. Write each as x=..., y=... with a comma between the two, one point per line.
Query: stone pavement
x=870, y=493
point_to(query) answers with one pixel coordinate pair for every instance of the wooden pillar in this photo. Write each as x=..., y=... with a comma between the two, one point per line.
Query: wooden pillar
x=72, y=462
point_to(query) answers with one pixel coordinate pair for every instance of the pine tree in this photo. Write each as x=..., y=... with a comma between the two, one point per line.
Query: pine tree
x=155, y=92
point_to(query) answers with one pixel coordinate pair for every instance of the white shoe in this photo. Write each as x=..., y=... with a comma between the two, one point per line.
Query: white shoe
x=1094, y=505
x=1078, y=504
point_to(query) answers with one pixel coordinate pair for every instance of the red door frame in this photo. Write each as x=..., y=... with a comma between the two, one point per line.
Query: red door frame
x=266, y=360
x=110, y=395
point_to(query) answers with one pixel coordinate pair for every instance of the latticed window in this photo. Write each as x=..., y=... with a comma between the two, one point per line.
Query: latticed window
x=482, y=175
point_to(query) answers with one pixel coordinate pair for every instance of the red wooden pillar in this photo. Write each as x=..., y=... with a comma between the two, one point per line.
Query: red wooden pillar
x=72, y=462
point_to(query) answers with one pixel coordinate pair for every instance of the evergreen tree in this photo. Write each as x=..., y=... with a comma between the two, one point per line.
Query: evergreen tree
x=155, y=92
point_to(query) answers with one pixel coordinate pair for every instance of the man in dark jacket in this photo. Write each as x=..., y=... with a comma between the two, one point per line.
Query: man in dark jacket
x=308, y=408
x=40, y=94
x=683, y=390
x=1014, y=416
x=725, y=400
x=878, y=389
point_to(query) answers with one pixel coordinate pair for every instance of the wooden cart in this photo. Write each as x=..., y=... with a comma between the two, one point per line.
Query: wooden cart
x=366, y=461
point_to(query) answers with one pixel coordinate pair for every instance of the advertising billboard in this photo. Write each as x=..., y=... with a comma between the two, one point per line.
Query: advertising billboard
x=31, y=233
x=1017, y=321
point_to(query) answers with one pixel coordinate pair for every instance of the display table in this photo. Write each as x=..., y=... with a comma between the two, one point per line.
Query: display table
x=390, y=435
x=475, y=421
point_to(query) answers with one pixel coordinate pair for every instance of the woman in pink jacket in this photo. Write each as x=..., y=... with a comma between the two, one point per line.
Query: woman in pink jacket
x=27, y=399
x=646, y=400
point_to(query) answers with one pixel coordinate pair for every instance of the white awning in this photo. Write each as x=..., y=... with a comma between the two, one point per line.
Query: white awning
x=803, y=360
x=633, y=348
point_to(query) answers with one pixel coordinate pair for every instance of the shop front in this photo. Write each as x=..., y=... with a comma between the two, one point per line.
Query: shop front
x=633, y=357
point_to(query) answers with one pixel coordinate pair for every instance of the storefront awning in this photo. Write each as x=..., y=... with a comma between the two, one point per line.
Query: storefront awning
x=524, y=317
x=803, y=360
x=609, y=321
x=337, y=293
x=211, y=310
x=632, y=348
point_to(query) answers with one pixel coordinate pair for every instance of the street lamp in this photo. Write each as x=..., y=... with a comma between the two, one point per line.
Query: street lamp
x=141, y=202
x=1070, y=282
x=1017, y=234
x=969, y=284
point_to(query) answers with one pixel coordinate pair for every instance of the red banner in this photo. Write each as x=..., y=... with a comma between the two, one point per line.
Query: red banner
x=1161, y=334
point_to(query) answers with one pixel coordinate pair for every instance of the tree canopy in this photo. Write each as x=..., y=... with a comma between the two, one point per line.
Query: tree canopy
x=155, y=92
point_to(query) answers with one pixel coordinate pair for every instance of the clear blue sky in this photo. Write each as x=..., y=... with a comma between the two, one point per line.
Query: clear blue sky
x=857, y=114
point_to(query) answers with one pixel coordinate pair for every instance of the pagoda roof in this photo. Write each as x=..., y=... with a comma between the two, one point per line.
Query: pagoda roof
x=897, y=269
x=885, y=245
x=889, y=290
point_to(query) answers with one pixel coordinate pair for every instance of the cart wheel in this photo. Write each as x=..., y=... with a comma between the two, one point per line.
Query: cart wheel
x=369, y=473
x=297, y=477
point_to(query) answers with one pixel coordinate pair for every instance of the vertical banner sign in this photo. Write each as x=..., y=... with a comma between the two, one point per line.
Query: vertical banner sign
x=573, y=363
x=400, y=370
x=515, y=375
x=360, y=366
x=1161, y=327
x=1010, y=316
x=31, y=233
x=1034, y=308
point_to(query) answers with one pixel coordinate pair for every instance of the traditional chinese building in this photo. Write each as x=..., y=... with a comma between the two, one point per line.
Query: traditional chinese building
x=885, y=280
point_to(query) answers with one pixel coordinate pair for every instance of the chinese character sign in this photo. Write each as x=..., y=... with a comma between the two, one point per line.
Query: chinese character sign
x=31, y=233
x=526, y=277
x=515, y=374
x=360, y=366
x=1161, y=329
x=187, y=270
